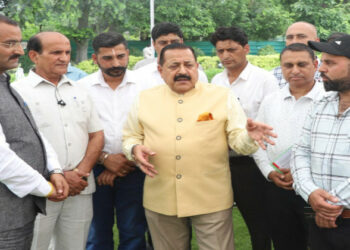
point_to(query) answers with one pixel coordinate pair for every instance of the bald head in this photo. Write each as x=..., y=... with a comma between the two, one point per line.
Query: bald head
x=301, y=32
x=37, y=41
x=50, y=51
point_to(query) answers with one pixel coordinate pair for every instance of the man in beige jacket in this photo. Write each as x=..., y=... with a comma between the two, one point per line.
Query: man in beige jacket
x=179, y=134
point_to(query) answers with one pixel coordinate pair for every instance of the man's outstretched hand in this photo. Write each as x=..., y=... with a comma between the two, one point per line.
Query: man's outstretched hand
x=260, y=132
x=141, y=155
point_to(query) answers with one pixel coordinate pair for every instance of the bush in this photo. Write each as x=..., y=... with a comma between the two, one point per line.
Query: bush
x=88, y=66
x=266, y=62
x=26, y=63
x=133, y=60
x=135, y=51
x=209, y=63
x=212, y=72
x=267, y=50
x=198, y=52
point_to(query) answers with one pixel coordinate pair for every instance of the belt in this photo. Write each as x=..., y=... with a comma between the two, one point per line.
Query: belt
x=345, y=214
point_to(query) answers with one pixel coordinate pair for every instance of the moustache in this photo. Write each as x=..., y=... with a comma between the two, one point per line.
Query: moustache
x=324, y=76
x=120, y=68
x=182, y=77
x=115, y=71
x=14, y=56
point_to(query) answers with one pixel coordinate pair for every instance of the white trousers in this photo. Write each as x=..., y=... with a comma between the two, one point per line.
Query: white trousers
x=66, y=224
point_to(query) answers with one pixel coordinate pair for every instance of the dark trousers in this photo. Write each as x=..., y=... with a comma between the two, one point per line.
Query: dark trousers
x=17, y=239
x=329, y=238
x=124, y=200
x=286, y=225
x=249, y=187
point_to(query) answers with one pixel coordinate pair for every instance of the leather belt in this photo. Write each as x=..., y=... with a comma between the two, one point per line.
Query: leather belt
x=345, y=214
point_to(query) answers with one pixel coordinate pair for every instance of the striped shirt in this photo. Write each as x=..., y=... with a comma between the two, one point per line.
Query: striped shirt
x=321, y=158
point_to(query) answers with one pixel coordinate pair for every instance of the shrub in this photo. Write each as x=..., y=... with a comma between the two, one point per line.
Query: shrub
x=133, y=60
x=209, y=63
x=135, y=52
x=88, y=66
x=26, y=63
x=266, y=62
x=198, y=52
x=212, y=72
x=267, y=50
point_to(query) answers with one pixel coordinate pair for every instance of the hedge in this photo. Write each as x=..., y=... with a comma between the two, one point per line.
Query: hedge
x=209, y=63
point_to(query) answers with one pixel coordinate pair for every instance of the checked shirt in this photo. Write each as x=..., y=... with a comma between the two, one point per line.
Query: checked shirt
x=321, y=158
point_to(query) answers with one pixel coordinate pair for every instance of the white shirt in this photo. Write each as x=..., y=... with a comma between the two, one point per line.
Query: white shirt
x=66, y=127
x=151, y=77
x=112, y=105
x=286, y=115
x=21, y=178
x=250, y=87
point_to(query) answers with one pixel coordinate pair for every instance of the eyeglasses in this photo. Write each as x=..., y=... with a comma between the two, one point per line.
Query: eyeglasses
x=11, y=44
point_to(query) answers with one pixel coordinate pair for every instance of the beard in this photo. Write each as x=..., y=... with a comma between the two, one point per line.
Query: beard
x=339, y=85
x=113, y=71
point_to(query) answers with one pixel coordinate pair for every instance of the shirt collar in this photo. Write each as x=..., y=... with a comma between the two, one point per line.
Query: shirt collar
x=34, y=79
x=244, y=75
x=312, y=94
x=129, y=78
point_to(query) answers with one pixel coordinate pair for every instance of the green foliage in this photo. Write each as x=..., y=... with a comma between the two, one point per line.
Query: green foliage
x=133, y=60
x=208, y=62
x=88, y=66
x=267, y=50
x=26, y=63
x=328, y=15
x=212, y=72
x=266, y=62
x=135, y=52
x=198, y=51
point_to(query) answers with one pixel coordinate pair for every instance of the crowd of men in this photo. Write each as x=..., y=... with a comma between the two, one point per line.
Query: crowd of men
x=160, y=151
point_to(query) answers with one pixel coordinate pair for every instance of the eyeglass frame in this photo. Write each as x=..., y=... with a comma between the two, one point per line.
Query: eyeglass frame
x=12, y=44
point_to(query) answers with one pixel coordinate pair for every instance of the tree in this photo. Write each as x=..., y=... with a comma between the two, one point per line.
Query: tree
x=327, y=15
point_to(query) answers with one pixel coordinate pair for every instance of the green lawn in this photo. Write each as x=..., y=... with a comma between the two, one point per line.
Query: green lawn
x=242, y=240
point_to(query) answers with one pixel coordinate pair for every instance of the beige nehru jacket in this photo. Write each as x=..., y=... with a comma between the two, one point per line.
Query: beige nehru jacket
x=191, y=156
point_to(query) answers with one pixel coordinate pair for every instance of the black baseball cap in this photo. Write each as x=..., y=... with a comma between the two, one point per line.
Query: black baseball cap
x=338, y=47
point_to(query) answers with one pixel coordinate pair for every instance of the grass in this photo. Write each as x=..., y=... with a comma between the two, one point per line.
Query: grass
x=241, y=235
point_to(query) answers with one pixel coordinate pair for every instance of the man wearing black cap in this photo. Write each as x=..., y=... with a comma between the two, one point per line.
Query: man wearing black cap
x=321, y=159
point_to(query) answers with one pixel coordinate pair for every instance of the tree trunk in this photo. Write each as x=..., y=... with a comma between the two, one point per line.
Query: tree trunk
x=82, y=48
x=83, y=23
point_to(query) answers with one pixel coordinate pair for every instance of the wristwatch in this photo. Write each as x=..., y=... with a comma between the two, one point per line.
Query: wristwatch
x=56, y=171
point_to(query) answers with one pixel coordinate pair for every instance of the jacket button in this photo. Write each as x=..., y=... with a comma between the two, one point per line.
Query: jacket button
x=178, y=176
x=178, y=157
